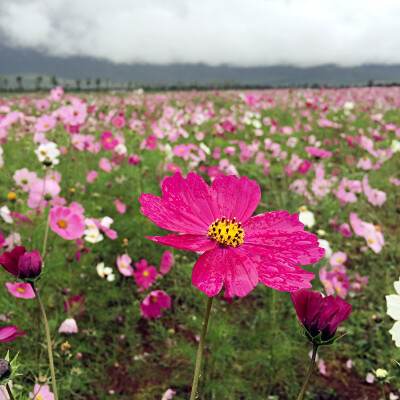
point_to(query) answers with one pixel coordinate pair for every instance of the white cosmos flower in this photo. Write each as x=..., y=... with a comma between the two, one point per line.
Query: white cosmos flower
x=48, y=153
x=105, y=272
x=325, y=245
x=120, y=149
x=5, y=214
x=306, y=217
x=68, y=326
x=395, y=146
x=106, y=222
x=393, y=310
x=93, y=235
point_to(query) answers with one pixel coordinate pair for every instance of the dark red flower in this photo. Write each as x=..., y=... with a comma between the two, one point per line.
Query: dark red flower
x=319, y=315
x=9, y=333
x=22, y=264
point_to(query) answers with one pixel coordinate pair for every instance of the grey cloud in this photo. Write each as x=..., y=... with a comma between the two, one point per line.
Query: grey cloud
x=250, y=33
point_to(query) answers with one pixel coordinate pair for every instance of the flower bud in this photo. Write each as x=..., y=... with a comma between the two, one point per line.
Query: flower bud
x=381, y=373
x=5, y=369
x=22, y=264
x=319, y=315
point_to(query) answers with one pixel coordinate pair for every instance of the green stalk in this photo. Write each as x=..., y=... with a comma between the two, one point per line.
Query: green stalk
x=193, y=395
x=310, y=371
x=10, y=395
x=48, y=339
x=383, y=391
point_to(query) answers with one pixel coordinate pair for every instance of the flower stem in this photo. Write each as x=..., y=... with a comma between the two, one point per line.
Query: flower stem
x=310, y=371
x=10, y=395
x=48, y=339
x=200, y=349
x=383, y=391
x=46, y=235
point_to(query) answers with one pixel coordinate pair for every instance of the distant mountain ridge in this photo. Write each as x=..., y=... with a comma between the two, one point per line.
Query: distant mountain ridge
x=27, y=62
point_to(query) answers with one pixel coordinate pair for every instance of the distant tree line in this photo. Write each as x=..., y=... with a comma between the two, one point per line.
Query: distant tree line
x=97, y=84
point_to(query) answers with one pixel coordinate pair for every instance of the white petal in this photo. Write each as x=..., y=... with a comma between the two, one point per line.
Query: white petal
x=395, y=332
x=393, y=306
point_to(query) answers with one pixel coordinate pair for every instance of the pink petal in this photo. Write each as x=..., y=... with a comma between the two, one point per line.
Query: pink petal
x=276, y=220
x=172, y=216
x=186, y=242
x=193, y=193
x=241, y=273
x=281, y=274
x=299, y=247
x=236, y=197
x=209, y=272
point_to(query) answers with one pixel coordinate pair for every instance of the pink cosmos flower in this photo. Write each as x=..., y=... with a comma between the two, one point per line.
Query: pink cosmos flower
x=304, y=167
x=105, y=164
x=118, y=121
x=24, y=178
x=21, y=290
x=120, y=206
x=43, y=104
x=338, y=259
x=145, y=275
x=153, y=303
x=57, y=93
x=166, y=262
x=319, y=153
x=134, y=159
x=45, y=123
x=68, y=326
x=345, y=230
x=9, y=333
x=41, y=393
x=42, y=192
x=173, y=168
x=238, y=250
x=124, y=265
x=169, y=394
x=108, y=141
x=67, y=223
x=394, y=181
x=91, y=176
x=375, y=197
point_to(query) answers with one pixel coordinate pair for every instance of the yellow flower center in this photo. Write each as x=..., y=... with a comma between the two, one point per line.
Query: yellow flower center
x=46, y=124
x=377, y=228
x=11, y=196
x=145, y=273
x=62, y=224
x=122, y=265
x=327, y=285
x=339, y=289
x=371, y=240
x=21, y=290
x=42, y=152
x=226, y=232
x=303, y=208
x=39, y=398
x=339, y=260
x=153, y=299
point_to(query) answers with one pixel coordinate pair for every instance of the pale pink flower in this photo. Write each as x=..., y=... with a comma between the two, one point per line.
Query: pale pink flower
x=20, y=290
x=57, y=93
x=338, y=259
x=67, y=223
x=124, y=265
x=45, y=123
x=120, y=206
x=24, y=178
x=68, y=326
x=41, y=393
x=169, y=394
x=105, y=164
x=91, y=176
x=42, y=192
x=374, y=196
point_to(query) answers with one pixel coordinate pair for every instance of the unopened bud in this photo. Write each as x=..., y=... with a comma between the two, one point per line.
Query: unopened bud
x=5, y=369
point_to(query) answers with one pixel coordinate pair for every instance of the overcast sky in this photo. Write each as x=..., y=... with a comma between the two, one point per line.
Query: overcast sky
x=237, y=32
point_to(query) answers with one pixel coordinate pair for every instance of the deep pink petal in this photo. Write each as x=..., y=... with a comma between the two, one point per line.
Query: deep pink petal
x=186, y=242
x=273, y=221
x=280, y=273
x=236, y=197
x=209, y=272
x=299, y=247
x=7, y=331
x=194, y=193
x=241, y=273
x=300, y=301
x=172, y=216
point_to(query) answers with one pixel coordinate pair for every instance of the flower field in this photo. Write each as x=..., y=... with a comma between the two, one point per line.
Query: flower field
x=130, y=214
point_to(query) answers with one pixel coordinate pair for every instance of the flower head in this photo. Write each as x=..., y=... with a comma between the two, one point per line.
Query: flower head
x=9, y=333
x=24, y=265
x=67, y=222
x=153, y=303
x=319, y=315
x=238, y=250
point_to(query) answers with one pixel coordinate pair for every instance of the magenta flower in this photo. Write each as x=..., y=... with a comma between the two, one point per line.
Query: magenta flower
x=67, y=223
x=9, y=333
x=319, y=315
x=108, y=141
x=22, y=264
x=21, y=290
x=91, y=176
x=145, y=275
x=319, y=153
x=237, y=250
x=153, y=303
x=166, y=262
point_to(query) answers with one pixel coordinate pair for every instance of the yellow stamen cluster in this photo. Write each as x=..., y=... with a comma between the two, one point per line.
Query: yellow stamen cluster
x=225, y=231
x=62, y=224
